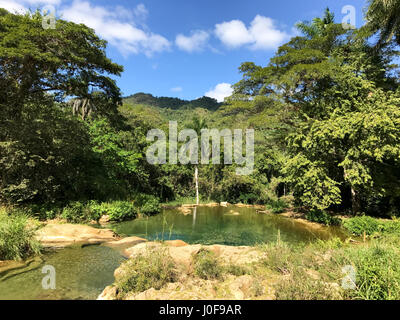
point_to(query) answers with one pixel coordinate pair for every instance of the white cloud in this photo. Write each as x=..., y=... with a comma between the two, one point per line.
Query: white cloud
x=22, y=6
x=116, y=27
x=195, y=42
x=233, y=33
x=12, y=6
x=220, y=92
x=141, y=11
x=177, y=89
x=262, y=34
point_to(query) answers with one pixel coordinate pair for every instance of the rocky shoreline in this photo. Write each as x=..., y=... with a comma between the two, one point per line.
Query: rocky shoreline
x=189, y=287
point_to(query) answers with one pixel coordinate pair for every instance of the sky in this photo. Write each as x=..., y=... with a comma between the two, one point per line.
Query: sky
x=189, y=48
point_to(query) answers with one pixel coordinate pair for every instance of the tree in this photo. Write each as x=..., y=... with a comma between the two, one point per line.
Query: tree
x=318, y=27
x=67, y=61
x=197, y=125
x=329, y=82
x=383, y=18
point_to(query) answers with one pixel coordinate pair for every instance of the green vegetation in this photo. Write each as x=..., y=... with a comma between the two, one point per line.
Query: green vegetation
x=151, y=269
x=277, y=206
x=324, y=109
x=322, y=217
x=17, y=241
x=207, y=265
x=371, y=227
x=173, y=103
x=315, y=272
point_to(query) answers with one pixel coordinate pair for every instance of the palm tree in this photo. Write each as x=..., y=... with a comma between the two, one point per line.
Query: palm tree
x=383, y=17
x=318, y=26
x=197, y=125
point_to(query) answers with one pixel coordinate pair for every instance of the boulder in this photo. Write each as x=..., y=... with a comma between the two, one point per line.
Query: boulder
x=176, y=243
x=185, y=210
x=124, y=243
x=109, y=293
x=62, y=235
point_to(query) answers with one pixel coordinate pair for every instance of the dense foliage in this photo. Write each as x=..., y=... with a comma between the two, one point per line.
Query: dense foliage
x=325, y=110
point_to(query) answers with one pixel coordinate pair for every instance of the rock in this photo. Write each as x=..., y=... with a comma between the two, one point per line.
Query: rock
x=241, y=205
x=224, y=204
x=234, y=213
x=125, y=242
x=10, y=268
x=212, y=204
x=240, y=287
x=105, y=219
x=139, y=249
x=109, y=293
x=176, y=243
x=62, y=235
x=185, y=210
x=191, y=206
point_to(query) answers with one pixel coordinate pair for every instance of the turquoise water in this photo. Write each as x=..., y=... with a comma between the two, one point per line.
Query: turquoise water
x=222, y=225
x=83, y=273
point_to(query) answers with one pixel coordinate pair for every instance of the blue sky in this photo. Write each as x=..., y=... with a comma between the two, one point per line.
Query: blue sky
x=189, y=48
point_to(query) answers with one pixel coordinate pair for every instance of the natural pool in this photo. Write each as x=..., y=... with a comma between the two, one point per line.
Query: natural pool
x=82, y=273
x=223, y=225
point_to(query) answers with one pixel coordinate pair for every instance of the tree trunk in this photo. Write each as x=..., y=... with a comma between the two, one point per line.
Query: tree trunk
x=355, y=203
x=196, y=178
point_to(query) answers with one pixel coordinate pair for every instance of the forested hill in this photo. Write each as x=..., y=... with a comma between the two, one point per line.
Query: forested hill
x=172, y=103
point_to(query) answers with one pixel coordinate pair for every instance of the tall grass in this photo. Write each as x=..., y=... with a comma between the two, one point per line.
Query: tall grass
x=315, y=271
x=153, y=268
x=17, y=238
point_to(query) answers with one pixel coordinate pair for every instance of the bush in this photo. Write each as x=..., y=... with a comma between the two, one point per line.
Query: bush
x=148, y=204
x=237, y=270
x=121, y=210
x=359, y=225
x=277, y=206
x=249, y=198
x=152, y=269
x=323, y=217
x=17, y=239
x=206, y=265
x=44, y=212
x=78, y=212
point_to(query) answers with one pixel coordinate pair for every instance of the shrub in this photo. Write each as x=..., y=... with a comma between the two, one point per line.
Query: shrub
x=78, y=212
x=206, y=265
x=322, y=217
x=121, y=210
x=277, y=206
x=148, y=204
x=359, y=225
x=152, y=269
x=17, y=239
x=44, y=212
x=237, y=270
x=249, y=198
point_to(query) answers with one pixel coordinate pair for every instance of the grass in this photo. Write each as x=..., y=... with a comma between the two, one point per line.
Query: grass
x=316, y=271
x=17, y=236
x=153, y=268
x=206, y=265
